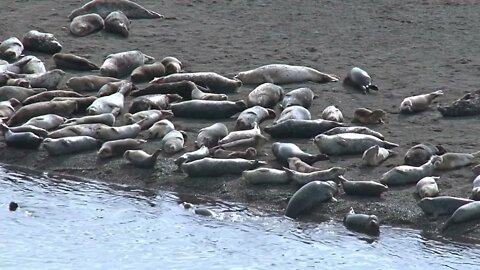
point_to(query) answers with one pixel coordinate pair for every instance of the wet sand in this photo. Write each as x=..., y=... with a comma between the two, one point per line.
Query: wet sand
x=408, y=48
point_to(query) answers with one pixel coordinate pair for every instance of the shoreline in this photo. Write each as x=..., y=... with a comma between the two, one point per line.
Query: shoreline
x=405, y=52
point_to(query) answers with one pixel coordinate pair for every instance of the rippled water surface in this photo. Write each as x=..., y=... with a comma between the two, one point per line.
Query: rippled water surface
x=77, y=224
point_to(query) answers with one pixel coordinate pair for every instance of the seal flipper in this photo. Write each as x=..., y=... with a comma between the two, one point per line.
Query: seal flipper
x=372, y=87
x=389, y=145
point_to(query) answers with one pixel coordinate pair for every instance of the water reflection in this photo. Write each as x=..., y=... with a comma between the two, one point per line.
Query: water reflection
x=81, y=224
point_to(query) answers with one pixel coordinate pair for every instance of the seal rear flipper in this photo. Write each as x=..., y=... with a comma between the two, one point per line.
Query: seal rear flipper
x=372, y=87
x=389, y=145
x=320, y=157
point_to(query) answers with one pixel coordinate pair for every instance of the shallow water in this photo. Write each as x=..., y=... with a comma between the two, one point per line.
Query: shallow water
x=80, y=224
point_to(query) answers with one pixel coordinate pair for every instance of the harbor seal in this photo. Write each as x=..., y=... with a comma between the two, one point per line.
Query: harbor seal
x=419, y=103
x=211, y=135
x=250, y=117
x=160, y=129
x=207, y=109
x=296, y=164
x=332, y=113
x=172, y=65
x=42, y=42
x=104, y=7
x=24, y=140
x=468, y=105
x=17, y=92
x=302, y=178
x=73, y=62
x=284, y=74
x=11, y=48
x=118, y=65
x=90, y=130
x=475, y=195
x=295, y=128
x=309, y=196
x=214, y=167
x=107, y=133
x=362, y=188
x=257, y=142
x=15, y=67
x=173, y=142
x=355, y=129
x=34, y=66
x=450, y=161
x=441, y=205
x=348, y=143
x=200, y=153
x=25, y=113
x=117, y=23
x=142, y=159
x=465, y=213
x=49, y=79
x=147, y=72
x=107, y=104
x=182, y=88
x=404, y=175
x=214, y=82
x=104, y=118
x=147, y=118
x=40, y=132
x=46, y=122
x=298, y=97
x=240, y=134
x=199, y=94
x=70, y=145
x=49, y=95
x=249, y=153
x=293, y=112
x=368, y=117
x=7, y=108
x=87, y=24
x=427, y=187
x=118, y=147
x=363, y=223
x=266, y=95
x=266, y=176
x=375, y=155
x=359, y=79
x=283, y=151
x=82, y=102
x=421, y=153
x=89, y=83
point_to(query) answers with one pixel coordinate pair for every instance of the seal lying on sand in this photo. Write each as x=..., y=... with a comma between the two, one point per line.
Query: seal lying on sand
x=104, y=7
x=421, y=153
x=283, y=151
x=284, y=74
x=403, y=175
x=362, y=188
x=294, y=128
x=468, y=105
x=309, y=196
x=348, y=143
x=441, y=205
x=360, y=80
x=419, y=103
x=218, y=166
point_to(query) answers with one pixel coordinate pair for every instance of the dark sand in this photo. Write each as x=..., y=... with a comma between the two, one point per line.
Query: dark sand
x=408, y=47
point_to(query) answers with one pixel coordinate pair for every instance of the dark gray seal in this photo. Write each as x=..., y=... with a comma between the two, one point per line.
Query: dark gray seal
x=294, y=128
x=465, y=213
x=74, y=62
x=18, y=92
x=298, y=97
x=147, y=72
x=214, y=167
x=207, y=109
x=214, y=82
x=421, y=153
x=309, y=196
x=441, y=205
x=363, y=223
x=117, y=23
x=41, y=42
x=362, y=188
x=468, y=105
x=153, y=102
x=24, y=140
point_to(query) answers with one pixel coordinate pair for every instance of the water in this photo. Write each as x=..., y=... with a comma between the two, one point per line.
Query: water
x=79, y=224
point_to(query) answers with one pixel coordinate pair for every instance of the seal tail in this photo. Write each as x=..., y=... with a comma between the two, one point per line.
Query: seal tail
x=320, y=157
x=476, y=154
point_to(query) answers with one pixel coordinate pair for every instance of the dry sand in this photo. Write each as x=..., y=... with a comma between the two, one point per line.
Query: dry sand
x=409, y=47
